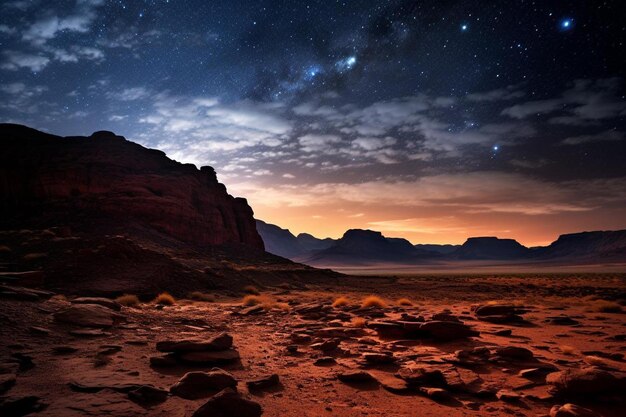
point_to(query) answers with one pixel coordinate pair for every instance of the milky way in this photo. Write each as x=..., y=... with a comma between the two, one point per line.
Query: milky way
x=432, y=120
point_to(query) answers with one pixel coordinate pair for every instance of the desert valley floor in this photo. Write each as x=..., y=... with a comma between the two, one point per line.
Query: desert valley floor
x=466, y=345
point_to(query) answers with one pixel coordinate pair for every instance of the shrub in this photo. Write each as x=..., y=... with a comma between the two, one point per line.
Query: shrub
x=251, y=289
x=278, y=306
x=165, y=299
x=340, y=302
x=200, y=296
x=251, y=300
x=128, y=300
x=373, y=301
x=358, y=322
x=404, y=302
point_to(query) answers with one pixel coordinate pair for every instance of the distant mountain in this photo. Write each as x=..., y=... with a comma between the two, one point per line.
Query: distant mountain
x=278, y=241
x=491, y=248
x=362, y=247
x=442, y=249
x=282, y=242
x=359, y=246
x=310, y=243
x=599, y=244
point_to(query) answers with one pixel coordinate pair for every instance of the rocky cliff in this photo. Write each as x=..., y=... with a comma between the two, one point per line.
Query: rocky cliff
x=109, y=184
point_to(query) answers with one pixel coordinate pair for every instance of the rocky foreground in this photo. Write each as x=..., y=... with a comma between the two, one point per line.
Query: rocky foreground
x=295, y=354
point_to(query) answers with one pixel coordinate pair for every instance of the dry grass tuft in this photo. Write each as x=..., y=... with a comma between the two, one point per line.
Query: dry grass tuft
x=200, y=296
x=404, y=302
x=373, y=301
x=165, y=299
x=252, y=300
x=567, y=350
x=251, y=289
x=341, y=301
x=128, y=300
x=605, y=306
x=278, y=306
x=358, y=322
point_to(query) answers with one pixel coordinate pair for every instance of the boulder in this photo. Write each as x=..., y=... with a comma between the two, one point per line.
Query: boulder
x=585, y=382
x=194, y=385
x=515, y=353
x=228, y=403
x=498, y=309
x=88, y=315
x=447, y=330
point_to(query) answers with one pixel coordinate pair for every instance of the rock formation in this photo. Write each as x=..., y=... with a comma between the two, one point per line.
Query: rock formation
x=108, y=184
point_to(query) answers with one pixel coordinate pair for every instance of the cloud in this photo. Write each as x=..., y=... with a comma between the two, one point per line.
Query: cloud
x=318, y=143
x=130, y=94
x=501, y=94
x=609, y=135
x=15, y=60
x=467, y=193
x=43, y=30
x=586, y=101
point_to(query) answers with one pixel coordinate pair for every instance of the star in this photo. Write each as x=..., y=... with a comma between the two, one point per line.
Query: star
x=495, y=148
x=567, y=23
x=464, y=27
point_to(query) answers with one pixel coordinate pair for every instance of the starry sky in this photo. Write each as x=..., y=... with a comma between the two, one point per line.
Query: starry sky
x=433, y=120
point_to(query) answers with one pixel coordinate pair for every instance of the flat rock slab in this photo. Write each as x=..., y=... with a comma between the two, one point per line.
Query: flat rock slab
x=209, y=357
x=88, y=315
x=105, y=302
x=222, y=341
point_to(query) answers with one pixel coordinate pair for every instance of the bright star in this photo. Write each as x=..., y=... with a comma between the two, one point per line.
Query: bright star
x=567, y=23
x=464, y=27
x=346, y=63
x=495, y=148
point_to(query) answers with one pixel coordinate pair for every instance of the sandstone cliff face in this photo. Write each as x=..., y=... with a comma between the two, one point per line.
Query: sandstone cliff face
x=104, y=181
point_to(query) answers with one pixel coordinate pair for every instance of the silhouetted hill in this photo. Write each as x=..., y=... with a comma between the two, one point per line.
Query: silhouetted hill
x=598, y=244
x=278, y=241
x=442, y=249
x=310, y=243
x=359, y=246
x=493, y=248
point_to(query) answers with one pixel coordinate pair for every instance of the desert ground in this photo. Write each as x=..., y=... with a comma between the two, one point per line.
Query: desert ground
x=457, y=345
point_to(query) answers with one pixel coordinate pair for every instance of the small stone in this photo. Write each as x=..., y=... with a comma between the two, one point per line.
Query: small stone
x=6, y=382
x=572, y=410
x=515, y=353
x=356, y=377
x=437, y=394
x=148, y=395
x=379, y=358
x=325, y=360
x=507, y=395
x=263, y=383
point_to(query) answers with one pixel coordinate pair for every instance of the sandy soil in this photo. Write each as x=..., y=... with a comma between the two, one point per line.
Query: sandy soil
x=486, y=384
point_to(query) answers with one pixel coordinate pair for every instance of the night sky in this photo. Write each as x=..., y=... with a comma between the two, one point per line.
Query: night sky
x=432, y=120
